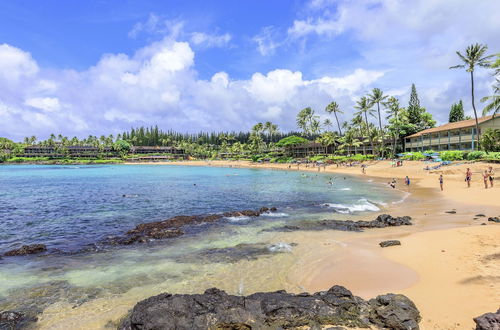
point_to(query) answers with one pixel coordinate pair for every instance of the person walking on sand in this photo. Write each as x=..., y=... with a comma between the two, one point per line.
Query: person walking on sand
x=441, y=181
x=485, y=179
x=491, y=176
x=468, y=177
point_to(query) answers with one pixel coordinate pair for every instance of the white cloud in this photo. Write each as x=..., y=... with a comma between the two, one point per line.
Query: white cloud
x=210, y=40
x=159, y=85
x=267, y=41
x=48, y=104
x=15, y=64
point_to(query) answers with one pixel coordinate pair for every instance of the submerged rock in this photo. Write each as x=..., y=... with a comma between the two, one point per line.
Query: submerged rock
x=488, y=321
x=389, y=243
x=215, y=309
x=10, y=319
x=172, y=227
x=383, y=220
x=27, y=249
x=243, y=251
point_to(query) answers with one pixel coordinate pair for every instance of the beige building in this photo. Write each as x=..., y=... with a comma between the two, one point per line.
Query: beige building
x=460, y=135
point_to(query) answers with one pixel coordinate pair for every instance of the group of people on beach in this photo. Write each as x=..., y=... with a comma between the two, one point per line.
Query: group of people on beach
x=488, y=176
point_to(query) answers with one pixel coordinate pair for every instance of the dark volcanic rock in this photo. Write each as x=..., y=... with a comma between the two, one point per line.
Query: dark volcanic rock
x=172, y=227
x=9, y=319
x=480, y=215
x=488, y=321
x=27, y=249
x=215, y=309
x=389, y=243
x=394, y=311
x=451, y=212
x=494, y=219
x=383, y=220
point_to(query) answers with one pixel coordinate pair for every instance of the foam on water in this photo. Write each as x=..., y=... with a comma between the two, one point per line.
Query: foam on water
x=237, y=219
x=345, y=189
x=280, y=247
x=275, y=214
x=361, y=206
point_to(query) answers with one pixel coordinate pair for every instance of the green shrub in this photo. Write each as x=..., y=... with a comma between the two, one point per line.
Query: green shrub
x=452, y=155
x=413, y=156
x=473, y=155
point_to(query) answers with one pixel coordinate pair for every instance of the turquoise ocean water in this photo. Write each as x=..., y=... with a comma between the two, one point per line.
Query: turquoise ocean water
x=71, y=207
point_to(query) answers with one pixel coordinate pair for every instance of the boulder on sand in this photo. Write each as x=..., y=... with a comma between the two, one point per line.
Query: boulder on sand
x=389, y=243
x=215, y=309
x=488, y=321
x=494, y=219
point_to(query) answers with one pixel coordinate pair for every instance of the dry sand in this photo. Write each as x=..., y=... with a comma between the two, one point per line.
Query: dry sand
x=448, y=264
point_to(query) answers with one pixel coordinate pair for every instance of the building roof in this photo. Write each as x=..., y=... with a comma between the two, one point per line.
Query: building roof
x=450, y=126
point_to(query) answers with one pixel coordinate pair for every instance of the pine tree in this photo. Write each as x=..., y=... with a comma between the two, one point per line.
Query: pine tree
x=457, y=112
x=414, y=110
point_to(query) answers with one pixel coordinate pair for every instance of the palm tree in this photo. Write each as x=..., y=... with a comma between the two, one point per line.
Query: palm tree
x=307, y=121
x=271, y=129
x=474, y=56
x=377, y=96
x=494, y=101
x=258, y=129
x=327, y=139
x=334, y=108
x=327, y=123
x=393, y=111
x=365, y=107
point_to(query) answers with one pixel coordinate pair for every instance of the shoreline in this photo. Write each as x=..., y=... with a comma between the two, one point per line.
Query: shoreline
x=433, y=279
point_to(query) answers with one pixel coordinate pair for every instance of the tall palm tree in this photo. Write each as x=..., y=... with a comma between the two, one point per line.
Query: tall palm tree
x=258, y=129
x=334, y=108
x=475, y=55
x=306, y=120
x=364, y=107
x=394, y=112
x=377, y=96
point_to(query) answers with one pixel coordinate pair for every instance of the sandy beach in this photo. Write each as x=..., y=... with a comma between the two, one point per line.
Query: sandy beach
x=448, y=263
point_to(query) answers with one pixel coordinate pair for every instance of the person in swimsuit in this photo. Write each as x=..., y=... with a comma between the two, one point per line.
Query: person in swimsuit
x=468, y=177
x=485, y=179
x=441, y=180
x=491, y=176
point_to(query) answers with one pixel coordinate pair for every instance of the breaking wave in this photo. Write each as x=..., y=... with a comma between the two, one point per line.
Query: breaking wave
x=361, y=206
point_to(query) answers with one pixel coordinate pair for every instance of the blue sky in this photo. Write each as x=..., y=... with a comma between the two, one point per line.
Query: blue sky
x=99, y=67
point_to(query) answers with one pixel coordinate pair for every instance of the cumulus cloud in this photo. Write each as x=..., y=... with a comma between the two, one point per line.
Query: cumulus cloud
x=159, y=85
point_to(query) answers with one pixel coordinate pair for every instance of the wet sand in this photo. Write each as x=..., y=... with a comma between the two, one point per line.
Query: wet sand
x=447, y=264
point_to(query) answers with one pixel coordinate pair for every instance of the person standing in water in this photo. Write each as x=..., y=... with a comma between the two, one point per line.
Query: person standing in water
x=468, y=177
x=441, y=180
x=407, y=180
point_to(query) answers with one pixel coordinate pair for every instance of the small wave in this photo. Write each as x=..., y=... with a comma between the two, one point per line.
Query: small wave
x=280, y=247
x=130, y=195
x=238, y=219
x=344, y=189
x=275, y=214
x=363, y=205
x=407, y=194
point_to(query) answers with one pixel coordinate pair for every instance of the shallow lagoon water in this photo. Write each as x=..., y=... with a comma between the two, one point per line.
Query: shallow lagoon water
x=69, y=207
